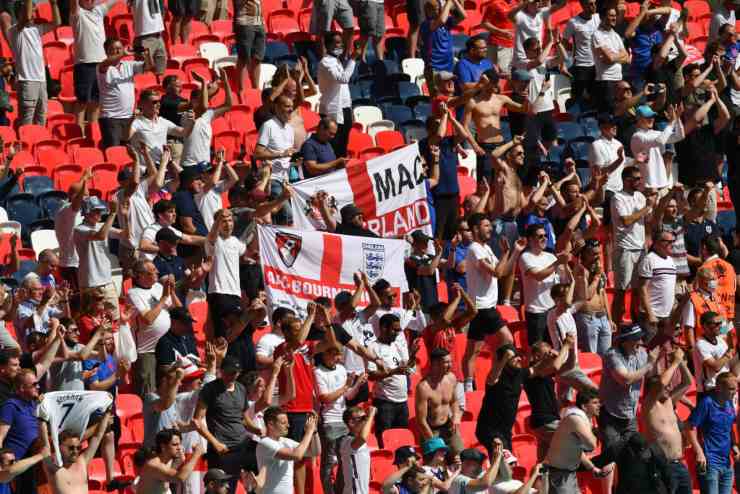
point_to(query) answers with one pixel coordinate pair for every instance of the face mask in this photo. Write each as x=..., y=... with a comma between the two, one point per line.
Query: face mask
x=712, y=285
x=337, y=52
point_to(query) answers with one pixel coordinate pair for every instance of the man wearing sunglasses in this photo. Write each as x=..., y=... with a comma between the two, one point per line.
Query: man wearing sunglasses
x=629, y=211
x=19, y=426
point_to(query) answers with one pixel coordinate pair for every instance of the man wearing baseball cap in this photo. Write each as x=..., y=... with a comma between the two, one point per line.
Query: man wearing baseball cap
x=351, y=224
x=472, y=477
x=625, y=366
x=410, y=477
x=652, y=143
x=178, y=343
x=216, y=481
x=91, y=241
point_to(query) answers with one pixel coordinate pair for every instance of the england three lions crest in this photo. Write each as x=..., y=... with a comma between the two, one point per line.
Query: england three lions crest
x=374, y=260
x=288, y=246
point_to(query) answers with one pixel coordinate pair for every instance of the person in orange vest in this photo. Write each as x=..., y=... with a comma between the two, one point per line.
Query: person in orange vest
x=703, y=298
x=713, y=252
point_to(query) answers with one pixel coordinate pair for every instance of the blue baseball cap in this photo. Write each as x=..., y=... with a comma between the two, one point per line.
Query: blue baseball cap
x=433, y=445
x=521, y=75
x=93, y=203
x=644, y=111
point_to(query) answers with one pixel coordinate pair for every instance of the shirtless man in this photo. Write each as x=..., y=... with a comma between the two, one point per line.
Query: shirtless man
x=661, y=423
x=484, y=109
x=158, y=472
x=572, y=439
x=594, y=319
x=438, y=412
x=71, y=477
x=507, y=201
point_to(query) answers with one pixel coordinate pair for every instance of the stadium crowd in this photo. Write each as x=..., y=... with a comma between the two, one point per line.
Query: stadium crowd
x=570, y=323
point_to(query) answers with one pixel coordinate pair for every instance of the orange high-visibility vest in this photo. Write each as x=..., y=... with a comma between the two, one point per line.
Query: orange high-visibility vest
x=702, y=305
x=726, y=284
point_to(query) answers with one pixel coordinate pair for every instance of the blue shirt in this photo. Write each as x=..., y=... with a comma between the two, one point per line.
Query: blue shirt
x=103, y=370
x=186, y=207
x=314, y=150
x=468, y=71
x=461, y=251
x=174, y=265
x=448, y=163
x=438, y=50
x=715, y=424
x=642, y=49
x=20, y=415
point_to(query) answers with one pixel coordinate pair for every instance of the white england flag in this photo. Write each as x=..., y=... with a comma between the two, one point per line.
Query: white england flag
x=390, y=190
x=299, y=266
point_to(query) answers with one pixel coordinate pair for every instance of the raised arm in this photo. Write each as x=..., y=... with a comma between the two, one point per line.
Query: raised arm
x=94, y=442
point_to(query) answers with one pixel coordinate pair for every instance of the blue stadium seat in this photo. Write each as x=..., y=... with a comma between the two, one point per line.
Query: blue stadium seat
x=398, y=114
x=567, y=131
x=590, y=127
x=274, y=50
x=414, y=130
x=422, y=110
x=23, y=209
x=555, y=153
x=726, y=221
x=396, y=48
x=37, y=184
x=50, y=202
x=578, y=148
x=407, y=90
x=458, y=42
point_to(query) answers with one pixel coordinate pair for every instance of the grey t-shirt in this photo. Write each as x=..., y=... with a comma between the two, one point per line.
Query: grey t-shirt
x=618, y=399
x=67, y=376
x=225, y=411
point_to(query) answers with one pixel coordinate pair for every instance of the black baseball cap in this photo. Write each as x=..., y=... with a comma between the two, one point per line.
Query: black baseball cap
x=166, y=235
x=216, y=475
x=472, y=454
x=181, y=314
x=404, y=453
x=231, y=364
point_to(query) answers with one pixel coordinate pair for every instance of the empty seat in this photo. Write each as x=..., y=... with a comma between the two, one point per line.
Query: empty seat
x=213, y=51
x=88, y=156
x=367, y=115
x=37, y=184
x=51, y=201
x=398, y=114
x=23, y=209
x=30, y=134
x=389, y=139
x=44, y=239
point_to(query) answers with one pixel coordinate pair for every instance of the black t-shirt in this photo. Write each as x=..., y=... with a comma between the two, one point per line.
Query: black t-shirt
x=350, y=229
x=186, y=207
x=225, y=411
x=243, y=349
x=262, y=115
x=170, y=108
x=541, y=394
x=170, y=345
x=317, y=333
x=6, y=391
x=696, y=232
x=499, y=407
x=700, y=146
x=732, y=151
x=425, y=284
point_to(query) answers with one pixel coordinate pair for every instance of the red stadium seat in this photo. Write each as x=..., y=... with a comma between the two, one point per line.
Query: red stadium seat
x=105, y=177
x=8, y=135
x=222, y=28
x=283, y=22
x=524, y=447
x=57, y=55
x=182, y=52
x=389, y=139
x=51, y=157
x=197, y=64
x=467, y=432
x=198, y=28
x=32, y=133
x=358, y=141
x=66, y=78
x=395, y=438
x=230, y=140
x=371, y=152
x=22, y=160
x=66, y=175
x=698, y=9
x=118, y=155
x=65, y=131
x=88, y=156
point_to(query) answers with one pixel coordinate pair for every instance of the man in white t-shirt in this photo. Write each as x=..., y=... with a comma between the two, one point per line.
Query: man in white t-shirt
x=25, y=41
x=657, y=287
x=607, y=153
x=165, y=212
x=148, y=28
x=276, y=144
x=334, y=386
x=135, y=192
x=88, y=27
x=609, y=55
x=355, y=452
x=91, y=242
x=561, y=326
x=197, y=146
x=712, y=356
x=151, y=129
x=208, y=199
x=652, y=143
x=473, y=477
x=277, y=453
x=224, y=284
x=117, y=91
x=629, y=210
x=529, y=22
x=65, y=221
x=152, y=302
x=579, y=30
x=391, y=390
x=541, y=270
x=483, y=269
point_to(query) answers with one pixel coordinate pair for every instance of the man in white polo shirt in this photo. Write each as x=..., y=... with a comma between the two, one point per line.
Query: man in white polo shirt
x=151, y=129
x=275, y=144
x=24, y=39
x=117, y=91
x=152, y=302
x=86, y=19
x=148, y=27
